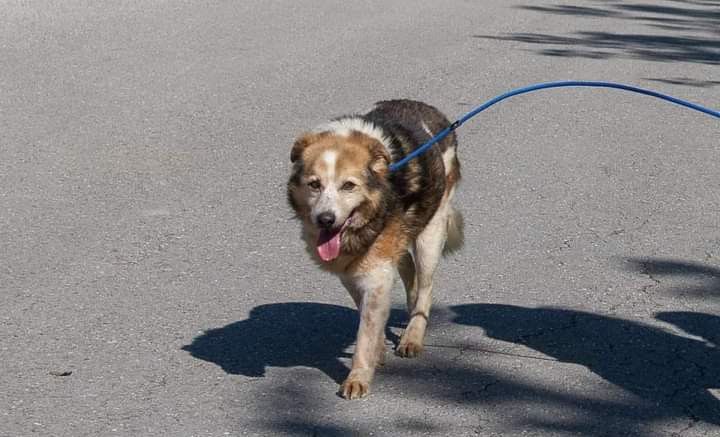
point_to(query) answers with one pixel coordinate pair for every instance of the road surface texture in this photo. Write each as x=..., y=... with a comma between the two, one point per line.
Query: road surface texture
x=153, y=281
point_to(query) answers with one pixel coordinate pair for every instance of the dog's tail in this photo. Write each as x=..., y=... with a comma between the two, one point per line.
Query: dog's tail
x=455, y=232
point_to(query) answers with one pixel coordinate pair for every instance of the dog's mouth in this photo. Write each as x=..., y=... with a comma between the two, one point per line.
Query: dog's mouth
x=330, y=240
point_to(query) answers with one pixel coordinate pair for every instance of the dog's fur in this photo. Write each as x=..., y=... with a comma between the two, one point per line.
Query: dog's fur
x=364, y=223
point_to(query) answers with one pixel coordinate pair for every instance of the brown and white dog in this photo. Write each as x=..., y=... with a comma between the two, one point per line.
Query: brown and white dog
x=364, y=223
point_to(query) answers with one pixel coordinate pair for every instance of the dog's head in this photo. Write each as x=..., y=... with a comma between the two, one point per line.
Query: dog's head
x=336, y=184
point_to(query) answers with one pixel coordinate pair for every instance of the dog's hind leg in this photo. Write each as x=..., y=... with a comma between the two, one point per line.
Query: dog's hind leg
x=406, y=269
x=428, y=250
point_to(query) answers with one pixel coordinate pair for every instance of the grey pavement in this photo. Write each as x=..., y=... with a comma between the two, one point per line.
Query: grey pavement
x=153, y=282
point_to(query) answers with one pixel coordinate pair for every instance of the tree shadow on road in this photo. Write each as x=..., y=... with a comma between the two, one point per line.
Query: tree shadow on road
x=672, y=372
x=696, y=83
x=707, y=276
x=668, y=374
x=702, y=325
x=284, y=335
x=691, y=32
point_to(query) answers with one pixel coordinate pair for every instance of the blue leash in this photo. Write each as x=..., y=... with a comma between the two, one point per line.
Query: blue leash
x=540, y=86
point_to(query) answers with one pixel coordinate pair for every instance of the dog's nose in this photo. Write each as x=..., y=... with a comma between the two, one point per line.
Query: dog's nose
x=326, y=220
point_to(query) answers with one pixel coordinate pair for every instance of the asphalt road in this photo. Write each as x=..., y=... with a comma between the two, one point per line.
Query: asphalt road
x=149, y=256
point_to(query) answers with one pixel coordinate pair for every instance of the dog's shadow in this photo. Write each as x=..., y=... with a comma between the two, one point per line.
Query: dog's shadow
x=285, y=335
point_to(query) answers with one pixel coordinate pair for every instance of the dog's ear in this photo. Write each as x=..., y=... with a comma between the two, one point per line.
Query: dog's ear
x=301, y=144
x=379, y=159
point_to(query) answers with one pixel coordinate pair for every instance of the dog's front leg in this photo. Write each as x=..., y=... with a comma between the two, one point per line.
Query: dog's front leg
x=371, y=291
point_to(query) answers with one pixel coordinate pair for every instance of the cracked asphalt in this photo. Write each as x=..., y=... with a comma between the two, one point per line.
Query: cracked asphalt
x=152, y=278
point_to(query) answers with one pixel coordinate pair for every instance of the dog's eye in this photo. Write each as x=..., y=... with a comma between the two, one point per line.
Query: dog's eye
x=314, y=185
x=348, y=186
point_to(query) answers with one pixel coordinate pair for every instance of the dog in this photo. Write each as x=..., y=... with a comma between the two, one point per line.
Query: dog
x=365, y=224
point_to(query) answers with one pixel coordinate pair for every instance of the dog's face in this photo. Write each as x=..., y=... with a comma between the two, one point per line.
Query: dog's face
x=335, y=185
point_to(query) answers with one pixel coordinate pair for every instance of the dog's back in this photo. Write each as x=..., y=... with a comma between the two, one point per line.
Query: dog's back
x=425, y=181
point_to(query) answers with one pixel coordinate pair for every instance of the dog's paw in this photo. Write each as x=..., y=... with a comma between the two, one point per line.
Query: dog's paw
x=355, y=386
x=409, y=349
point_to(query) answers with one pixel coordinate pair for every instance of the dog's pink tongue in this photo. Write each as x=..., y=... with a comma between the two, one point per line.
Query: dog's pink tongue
x=328, y=245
